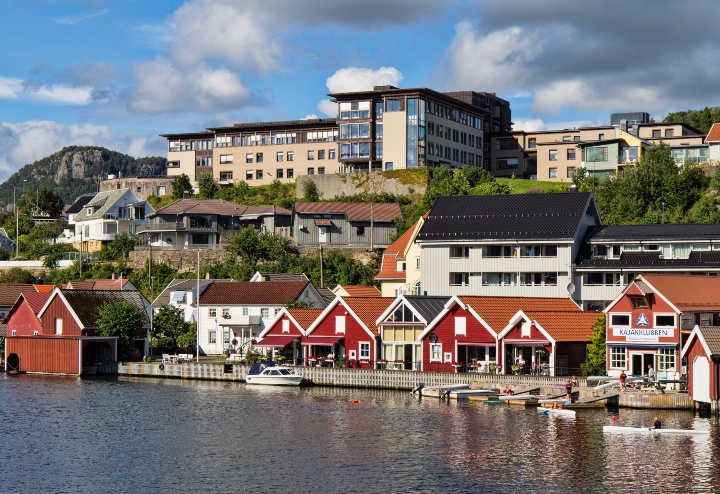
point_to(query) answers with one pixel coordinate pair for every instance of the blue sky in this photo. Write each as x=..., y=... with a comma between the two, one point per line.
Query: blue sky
x=116, y=73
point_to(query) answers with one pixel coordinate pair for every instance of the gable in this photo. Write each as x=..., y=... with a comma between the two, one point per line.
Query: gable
x=462, y=326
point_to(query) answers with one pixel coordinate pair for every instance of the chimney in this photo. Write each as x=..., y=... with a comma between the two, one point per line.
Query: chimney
x=207, y=275
x=186, y=194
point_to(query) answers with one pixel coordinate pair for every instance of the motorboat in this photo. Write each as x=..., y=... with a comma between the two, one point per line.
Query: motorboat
x=556, y=411
x=637, y=429
x=269, y=373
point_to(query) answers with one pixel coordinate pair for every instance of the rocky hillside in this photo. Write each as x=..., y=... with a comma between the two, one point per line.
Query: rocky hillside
x=77, y=170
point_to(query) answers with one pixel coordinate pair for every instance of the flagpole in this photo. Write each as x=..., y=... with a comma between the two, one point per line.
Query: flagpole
x=197, y=305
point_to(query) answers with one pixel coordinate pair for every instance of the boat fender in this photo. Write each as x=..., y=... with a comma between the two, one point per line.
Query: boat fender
x=162, y=366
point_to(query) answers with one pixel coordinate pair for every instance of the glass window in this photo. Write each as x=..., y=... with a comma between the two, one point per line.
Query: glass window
x=389, y=165
x=571, y=152
x=669, y=133
x=392, y=105
x=666, y=359
x=259, y=174
x=459, y=279
x=321, y=154
x=321, y=170
x=226, y=313
x=552, y=173
x=212, y=336
x=264, y=312
x=279, y=173
x=212, y=312
x=311, y=171
x=360, y=231
x=665, y=321
x=460, y=251
x=248, y=175
x=617, y=357
x=365, y=350
x=290, y=156
x=280, y=156
x=226, y=158
x=436, y=352
x=620, y=320
x=596, y=154
x=259, y=157
x=553, y=155
x=245, y=311
x=290, y=173
x=249, y=158
x=226, y=176
x=311, y=155
x=656, y=133
x=570, y=171
x=332, y=154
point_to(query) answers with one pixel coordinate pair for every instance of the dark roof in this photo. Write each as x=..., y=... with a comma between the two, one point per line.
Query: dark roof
x=686, y=232
x=110, y=284
x=87, y=303
x=428, y=307
x=266, y=276
x=355, y=211
x=638, y=261
x=326, y=294
x=182, y=285
x=253, y=293
x=79, y=203
x=503, y=217
x=220, y=207
x=9, y=292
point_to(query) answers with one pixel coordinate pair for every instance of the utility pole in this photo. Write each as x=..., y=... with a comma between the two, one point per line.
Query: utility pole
x=321, y=268
x=197, y=306
x=81, y=250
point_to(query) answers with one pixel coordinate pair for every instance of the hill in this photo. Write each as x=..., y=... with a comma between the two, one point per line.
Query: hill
x=76, y=170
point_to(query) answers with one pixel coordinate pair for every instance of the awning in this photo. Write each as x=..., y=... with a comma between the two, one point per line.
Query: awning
x=322, y=340
x=322, y=222
x=472, y=343
x=276, y=341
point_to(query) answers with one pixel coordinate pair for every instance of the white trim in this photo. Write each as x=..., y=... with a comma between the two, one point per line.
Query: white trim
x=696, y=333
x=431, y=359
x=360, y=344
x=673, y=315
x=58, y=293
x=628, y=325
x=394, y=306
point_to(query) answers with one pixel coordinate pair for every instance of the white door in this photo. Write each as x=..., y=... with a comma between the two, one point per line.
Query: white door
x=701, y=379
x=322, y=235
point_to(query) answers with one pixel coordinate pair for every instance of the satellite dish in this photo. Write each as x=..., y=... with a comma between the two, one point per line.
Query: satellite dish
x=571, y=288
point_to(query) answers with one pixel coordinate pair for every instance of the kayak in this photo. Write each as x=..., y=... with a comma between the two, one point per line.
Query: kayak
x=636, y=429
x=556, y=411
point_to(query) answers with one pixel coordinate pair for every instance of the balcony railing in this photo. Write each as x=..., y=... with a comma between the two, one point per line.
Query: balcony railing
x=160, y=227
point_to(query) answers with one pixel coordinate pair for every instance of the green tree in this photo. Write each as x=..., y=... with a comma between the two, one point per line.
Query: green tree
x=595, y=365
x=16, y=275
x=207, y=185
x=42, y=201
x=120, y=247
x=310, y=191
x=169, y=324
x=124, y=320
x=181, y=184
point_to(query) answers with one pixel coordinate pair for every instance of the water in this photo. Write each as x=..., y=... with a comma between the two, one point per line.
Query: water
x=72, y=435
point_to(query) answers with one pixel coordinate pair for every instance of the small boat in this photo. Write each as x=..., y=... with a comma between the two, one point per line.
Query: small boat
x=637, y=429
x=467, y=393
x=442, y=391
x=518, y=397
x=556, y=411
x=275, y=375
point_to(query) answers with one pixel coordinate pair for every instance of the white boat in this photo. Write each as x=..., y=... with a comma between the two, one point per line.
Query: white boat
x=550, y=401
x=636, y=429
x=518, y=397
x=442, y=391
x=274, y=375
x=556, y=411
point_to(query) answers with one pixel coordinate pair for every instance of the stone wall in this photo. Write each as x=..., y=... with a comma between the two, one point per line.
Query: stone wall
x=180, y=259
x=333, y=185
x=141, y=187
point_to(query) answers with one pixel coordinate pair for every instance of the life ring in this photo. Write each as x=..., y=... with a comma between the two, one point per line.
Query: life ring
x=162, y=366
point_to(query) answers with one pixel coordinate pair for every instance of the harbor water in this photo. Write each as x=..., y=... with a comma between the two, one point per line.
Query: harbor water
x=72, y=435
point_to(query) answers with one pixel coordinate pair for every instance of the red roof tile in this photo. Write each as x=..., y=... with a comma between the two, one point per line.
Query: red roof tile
x=497, y=311
x=396, y=251
x=361, y=291
x=36, y=300
x=714, y=134
x=9, y=292
x=355, y=211
x=687, y=292
x=304, y=316
x=98, y=284
x=250, y=293
x=566, y=326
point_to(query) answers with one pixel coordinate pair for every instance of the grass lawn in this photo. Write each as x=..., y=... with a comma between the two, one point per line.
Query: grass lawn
x=522, y=185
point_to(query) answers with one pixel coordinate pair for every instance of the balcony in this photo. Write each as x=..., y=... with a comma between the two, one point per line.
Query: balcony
x=160, y=227
x=239, y=320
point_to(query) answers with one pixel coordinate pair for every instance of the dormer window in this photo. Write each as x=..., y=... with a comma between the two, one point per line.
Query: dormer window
x=89, y=211
x=638, y=302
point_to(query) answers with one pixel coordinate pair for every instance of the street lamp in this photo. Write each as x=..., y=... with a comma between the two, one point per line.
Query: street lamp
x=663, y=213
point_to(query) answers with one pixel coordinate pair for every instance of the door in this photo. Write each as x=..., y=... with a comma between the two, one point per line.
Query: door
x=637, y=364
x=408, y=360
x=322, y=235
x=701, y=379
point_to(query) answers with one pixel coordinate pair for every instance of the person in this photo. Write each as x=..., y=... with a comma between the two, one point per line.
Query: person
x=651, y=373
x=657, y=424
x=568, y=389
x=574, y=382
x=533, y=369
x=621, y=380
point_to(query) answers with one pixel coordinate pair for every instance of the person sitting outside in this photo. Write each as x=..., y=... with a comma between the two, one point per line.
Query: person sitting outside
x=533, y=369
x=657, y=424
x=621, y=380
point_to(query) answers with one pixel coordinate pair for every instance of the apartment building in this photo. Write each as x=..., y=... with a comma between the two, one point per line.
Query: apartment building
x=256, y=153
x=390, y=128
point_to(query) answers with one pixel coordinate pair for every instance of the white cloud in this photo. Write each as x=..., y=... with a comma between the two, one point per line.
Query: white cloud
x=211, y=30
x=351, y=79
x=71, y=20
x=10, y=87
x=327, y=108
x=59, y=93
x=312, y=116
x=162, y=87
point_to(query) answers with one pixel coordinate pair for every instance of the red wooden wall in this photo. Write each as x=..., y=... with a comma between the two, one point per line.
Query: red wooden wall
x=354, y=333
x=57, y=308
x=56, y=355
x=23, y=321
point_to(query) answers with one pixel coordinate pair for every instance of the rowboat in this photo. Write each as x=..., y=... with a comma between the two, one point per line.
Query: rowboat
x=636, y=429
x=556, y=411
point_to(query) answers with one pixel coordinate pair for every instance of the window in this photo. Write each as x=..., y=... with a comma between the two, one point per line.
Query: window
x=553, y=155
x=666, y=359
x=618, y=357
x=619, y=320
x=596, y=154
x=601, y=137
x=435, y=352
x=500, y=251
x=291, y=156
x=212, y=312
x=290, y=173
x=669, y=133
x=280, y=156
x=392, y=105
x=638, y=302
x=311, y=155
x=570, y=171
x=656, y=133
x=364, y=350
x=264, y=312
x=311, y=171
x=259, y=157
x=389, y=165
x=249, y=158
x=552, y=173
x=58, y=325
x=245, y=311
x=360, y=231
x=566, y=138
x=417, y=263
x=248, y=174
x=279, y=173
x=459, y=279
x=226, y=313
x=321, y=170
x=664, y=320
x=321, y=154
x=687, y=321
x=226, y=158
x=460, y=251
x=506, y=164
x=332, y=154
x=706, y=319
x=212, y=336
x=226, y=176
x=571, y=152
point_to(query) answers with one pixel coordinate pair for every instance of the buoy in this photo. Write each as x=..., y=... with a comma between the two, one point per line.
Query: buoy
x=613, y=418
x=356, y=401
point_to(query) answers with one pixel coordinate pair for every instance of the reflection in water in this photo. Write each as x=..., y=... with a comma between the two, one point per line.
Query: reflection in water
x=137, y=435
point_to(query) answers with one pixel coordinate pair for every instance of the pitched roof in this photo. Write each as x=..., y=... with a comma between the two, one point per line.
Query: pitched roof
x=101, y=203
x=9, y=292
x=497, y=311
x=711, y=335
x=252, y=293
x=514, y=216
x=368, y=309
x=304, y=316
x=714, y=134
x=566, y=326
x=218, y=206
x=79, y=204
x=687, y=232
x=428, y=307
x=115, y=284
x=265, y=276
x=36, y=300
x=358, y=290
x=326, y=293
x=687, y=292
x=354, y=211
x=182, y=285
x=87, y=303
x=396, y=251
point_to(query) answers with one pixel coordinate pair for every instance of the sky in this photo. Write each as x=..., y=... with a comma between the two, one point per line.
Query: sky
x=117, y=73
